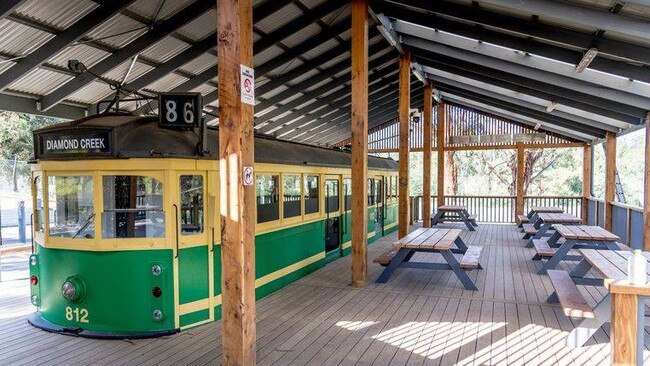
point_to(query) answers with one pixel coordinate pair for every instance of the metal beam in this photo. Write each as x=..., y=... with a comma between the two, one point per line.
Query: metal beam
x=578, y=15
x=8, y=6
x=157, y=32
x=515, y=117
x=315, y=96
x=523, y=111
x=532, y=87
x=23, y=104
x=535, y=103
x=321, y=76
x=493, y=57
x=526, y=28
x=483, y=40
x=336, y=111
x=77, y=30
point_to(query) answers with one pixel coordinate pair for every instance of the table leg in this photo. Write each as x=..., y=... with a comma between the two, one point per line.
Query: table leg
x=560, y=253
x=436, y=218
x=460, y=273
x=588, y=327
x=397, y=260
x=627, y=329
x=540, y=233
x=465, y=219
x=468, y=215
x=554, y=238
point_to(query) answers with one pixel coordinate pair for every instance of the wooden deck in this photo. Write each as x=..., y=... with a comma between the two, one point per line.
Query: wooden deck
x=419, y=317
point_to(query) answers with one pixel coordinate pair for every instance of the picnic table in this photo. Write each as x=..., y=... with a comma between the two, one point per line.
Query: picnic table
x=612, y=267
x=432, y=240
x=575, y=237
x=544, y=223
x=532, y=214
x=454, y=213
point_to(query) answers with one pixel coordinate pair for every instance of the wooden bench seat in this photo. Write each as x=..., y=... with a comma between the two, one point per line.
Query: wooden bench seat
x=542, y=248
x=572, y=302
x=472, y=217
x=523, y=219
x=529, y=230
x=471, y=257
x=385, y=257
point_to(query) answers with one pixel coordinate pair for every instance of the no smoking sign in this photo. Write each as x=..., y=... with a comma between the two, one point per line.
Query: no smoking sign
x=247, y=85
x=248, y=175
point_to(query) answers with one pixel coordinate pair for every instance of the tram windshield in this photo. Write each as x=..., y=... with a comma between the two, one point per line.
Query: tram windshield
x=71, y=209
x=133, y=207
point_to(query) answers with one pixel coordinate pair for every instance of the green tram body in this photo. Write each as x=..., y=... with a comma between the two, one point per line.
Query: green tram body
x=110, y=256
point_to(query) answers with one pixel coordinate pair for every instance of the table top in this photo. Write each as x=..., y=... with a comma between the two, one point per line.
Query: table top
x=452, y=208
x=558, y=217
x=430, y=238
x=611, y=265
x=585, y=232
x=547, y=209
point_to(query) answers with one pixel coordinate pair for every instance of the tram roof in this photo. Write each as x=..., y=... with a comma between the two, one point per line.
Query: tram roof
x=579, y=68
x=122, y=138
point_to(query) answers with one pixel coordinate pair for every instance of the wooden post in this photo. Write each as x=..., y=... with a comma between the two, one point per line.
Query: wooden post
x=587, y=168
x=235, y=48
x=426, y=156
x=440, y=141
x=359, y=141
x=626, y=337
x=610, y=177
x=404, y=129
x=521, y=165
x=646, y=189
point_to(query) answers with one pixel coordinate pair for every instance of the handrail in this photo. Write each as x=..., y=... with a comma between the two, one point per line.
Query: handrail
x=627, y=206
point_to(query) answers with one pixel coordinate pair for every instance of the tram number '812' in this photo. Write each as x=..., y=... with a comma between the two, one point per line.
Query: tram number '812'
x=180, y=110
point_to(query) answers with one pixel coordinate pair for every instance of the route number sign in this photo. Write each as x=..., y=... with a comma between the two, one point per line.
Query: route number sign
x=180, y=109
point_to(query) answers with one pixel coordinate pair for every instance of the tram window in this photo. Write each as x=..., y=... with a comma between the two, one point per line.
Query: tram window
x=393, y=187
x=312, y=194
x=347, y=198
x=191, y=204
x=292, y=196
x=71, y=208
x=371, y=192
x=268, y=205
x=39, y=219
x=133, y=207
x=331, y=195
x=378, y=191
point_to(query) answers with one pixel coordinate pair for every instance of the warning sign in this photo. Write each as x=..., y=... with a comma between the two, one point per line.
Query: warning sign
x=248, y=175
x=247, y=85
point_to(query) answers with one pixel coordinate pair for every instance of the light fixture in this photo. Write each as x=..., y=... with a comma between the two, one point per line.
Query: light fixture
x=418, y=72
x=157, y=315
x=537, y=126
x=156, y=270
x=551, y=106
x=587, y=58
x=69, y=290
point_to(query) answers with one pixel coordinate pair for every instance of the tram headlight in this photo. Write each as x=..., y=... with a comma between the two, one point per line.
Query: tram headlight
x=157, y=315
x=34, y=300
x=33, y=261
x=156, y=270
x=72, y=289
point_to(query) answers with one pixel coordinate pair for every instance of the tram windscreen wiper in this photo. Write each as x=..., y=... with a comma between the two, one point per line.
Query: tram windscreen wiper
x=85, y=225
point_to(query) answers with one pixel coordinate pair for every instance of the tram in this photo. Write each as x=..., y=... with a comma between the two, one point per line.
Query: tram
x=126, y=222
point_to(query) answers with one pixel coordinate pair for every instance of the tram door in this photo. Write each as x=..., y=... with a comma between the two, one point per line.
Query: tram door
x=332, y=212
x=379, y=206
x=193, y=240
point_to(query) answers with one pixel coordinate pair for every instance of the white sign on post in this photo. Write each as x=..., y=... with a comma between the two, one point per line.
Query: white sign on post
x=248, y=175
x=247, y=85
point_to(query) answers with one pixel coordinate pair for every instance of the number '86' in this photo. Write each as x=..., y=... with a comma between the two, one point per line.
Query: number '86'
x=172, y=115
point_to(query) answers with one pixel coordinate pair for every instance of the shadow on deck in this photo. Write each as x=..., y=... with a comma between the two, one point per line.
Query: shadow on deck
x=420, y=317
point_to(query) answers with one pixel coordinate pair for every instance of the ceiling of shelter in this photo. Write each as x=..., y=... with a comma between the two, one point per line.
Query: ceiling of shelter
x=514, y=59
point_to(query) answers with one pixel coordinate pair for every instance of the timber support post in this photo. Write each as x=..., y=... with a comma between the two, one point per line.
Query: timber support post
x=236, y=154
x=426, y=156
x=587, y=168
x=440, y=142
x=359, y=142
x=521, y=188
x=646, y=188
x=610, y=177
x=404, y=132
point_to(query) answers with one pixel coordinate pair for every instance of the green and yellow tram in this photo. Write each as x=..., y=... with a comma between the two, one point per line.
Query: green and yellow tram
x=126, y=222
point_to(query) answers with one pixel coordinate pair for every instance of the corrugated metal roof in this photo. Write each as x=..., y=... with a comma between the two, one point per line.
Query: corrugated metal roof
x=36, y=22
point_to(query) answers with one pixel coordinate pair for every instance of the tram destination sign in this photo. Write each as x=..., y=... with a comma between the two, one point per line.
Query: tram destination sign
x=78, y=142
x=180, y=110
